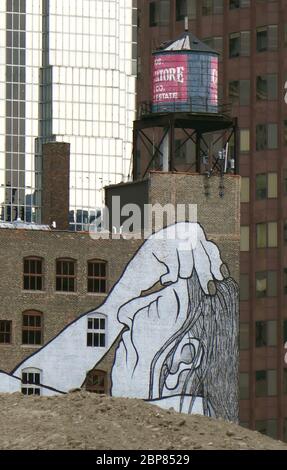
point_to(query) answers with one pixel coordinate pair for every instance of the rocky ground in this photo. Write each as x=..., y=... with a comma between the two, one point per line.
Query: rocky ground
x=81, y=420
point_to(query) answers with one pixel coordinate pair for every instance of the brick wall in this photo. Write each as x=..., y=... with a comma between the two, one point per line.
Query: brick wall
x=58, y=308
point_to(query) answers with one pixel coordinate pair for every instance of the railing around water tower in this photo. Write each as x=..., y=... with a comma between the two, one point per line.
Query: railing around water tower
x=198, y=105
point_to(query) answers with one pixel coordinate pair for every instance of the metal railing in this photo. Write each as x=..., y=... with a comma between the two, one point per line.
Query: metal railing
x=198, y=105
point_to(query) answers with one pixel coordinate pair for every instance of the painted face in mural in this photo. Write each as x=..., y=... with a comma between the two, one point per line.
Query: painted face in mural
x=172, y=334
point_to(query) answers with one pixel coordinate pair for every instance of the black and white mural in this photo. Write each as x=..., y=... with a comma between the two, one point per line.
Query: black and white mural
x=175, y=309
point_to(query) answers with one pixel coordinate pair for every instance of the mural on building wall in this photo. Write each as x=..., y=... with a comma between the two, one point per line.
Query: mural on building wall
x=175, y=310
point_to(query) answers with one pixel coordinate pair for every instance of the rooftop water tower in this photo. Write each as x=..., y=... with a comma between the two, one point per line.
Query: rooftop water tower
x=185, y=77
x=184, y=110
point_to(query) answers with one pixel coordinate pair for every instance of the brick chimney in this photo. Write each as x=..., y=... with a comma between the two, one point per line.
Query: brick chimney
x=56, y=178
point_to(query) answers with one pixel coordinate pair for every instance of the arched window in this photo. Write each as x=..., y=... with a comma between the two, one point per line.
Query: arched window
x=33, y=273
x=32, y=328
x=31, y=380
x=97, y=382
x=65, y=275
x=97, y=331
x=97, y=276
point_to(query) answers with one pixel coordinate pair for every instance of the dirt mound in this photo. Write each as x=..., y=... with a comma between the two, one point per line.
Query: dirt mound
x=81, y=420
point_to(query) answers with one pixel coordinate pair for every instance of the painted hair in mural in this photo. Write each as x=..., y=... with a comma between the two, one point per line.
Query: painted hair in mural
x=175, y=309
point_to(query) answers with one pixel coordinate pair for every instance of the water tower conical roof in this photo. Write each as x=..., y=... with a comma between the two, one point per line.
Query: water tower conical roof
x=186, y=42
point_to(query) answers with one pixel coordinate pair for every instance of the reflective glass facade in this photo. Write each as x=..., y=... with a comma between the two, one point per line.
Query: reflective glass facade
x=67, y=74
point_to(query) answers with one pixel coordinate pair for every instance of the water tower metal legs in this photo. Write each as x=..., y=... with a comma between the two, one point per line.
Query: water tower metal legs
x=198, y=152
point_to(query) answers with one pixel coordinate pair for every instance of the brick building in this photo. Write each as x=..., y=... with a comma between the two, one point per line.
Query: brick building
x=251, y=39
x=50, y=278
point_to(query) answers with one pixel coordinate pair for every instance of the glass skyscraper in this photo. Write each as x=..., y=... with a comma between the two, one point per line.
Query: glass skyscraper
x=68, y=74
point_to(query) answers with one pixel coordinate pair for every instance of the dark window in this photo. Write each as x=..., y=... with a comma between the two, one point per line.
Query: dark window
x=266, y=87
x=159, y=13
x=97, y=382
x=65, y=275
x=261, y=186
x=238, y=4
x=285, y=136
x=266, y=333
x=185, y=8
x=244, y=336
x=244, y=287
x=267, y=427
x=96, y=333
x=5, y=331
x=32, y=328
x=239, y=92
x=97, y=276
x=285, y=331
x=266, y=136
x=239, y=44
x=285, y=231
x=33, y=273
x=285, y=281
x=244, y=386
x=285, y=181
x=31, y=382
x=266, y=284
x=267, y=38
x=285, y=381
x=265, y=383
x=212, y=7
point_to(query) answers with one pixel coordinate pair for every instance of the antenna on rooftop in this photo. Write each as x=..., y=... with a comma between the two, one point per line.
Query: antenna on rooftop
x=186, y=23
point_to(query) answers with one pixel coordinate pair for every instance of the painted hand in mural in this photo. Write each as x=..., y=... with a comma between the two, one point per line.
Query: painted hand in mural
x=168, y=255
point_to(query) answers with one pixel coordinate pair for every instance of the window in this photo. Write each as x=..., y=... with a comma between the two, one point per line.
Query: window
x=266, y=186
x=285, y=132
x=239, y=44
x=33, y=273
x=5, y=331
x=238, y=4
x=244, y=287
x=65, y=275
x=97, y=276
x=239, y=92
x=244, y=140
x=266, y=235
x=243, y=386
x=244, y=336
x=285, y=232
x=97, y=382
x=285, y=181
x=31, y=380
x=215, y=43
x=267, y=427
x=266, y=284
x=265, y=383
x=185, y=8
x=244, y=238
x=267, y=38
x=285, y=281
x=285, y=381
x=266, y=136
x=159, y=13
x=266, y=87
x=96, y=335
x=212, y=7
x=245, y=189
x=266, y=333
x=32, y=328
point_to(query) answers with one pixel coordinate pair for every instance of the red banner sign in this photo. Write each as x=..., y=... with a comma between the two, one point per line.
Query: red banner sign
x=214, y=81
x=170, y=78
